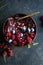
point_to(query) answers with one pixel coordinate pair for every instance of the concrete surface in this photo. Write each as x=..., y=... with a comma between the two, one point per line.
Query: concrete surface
x=24, y=56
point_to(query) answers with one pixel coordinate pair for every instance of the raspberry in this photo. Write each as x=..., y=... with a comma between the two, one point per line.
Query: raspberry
x=4, y=53
x=14, y=43
x=32, y=35
x=32, y=25
x=42, y=18
x=13, y=37
x=29, y=39
x=5, y=46
x=18, y=35
x=8, y=34
x=10, y=53
x=22, y=42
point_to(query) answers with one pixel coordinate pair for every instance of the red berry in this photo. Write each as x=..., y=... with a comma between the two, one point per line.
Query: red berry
x=5, y=46
x=10, y=53
x=19, y=40
x=29, y=39
x=22, y=42
x=18, y=35
x=42, y=18
x=32, y=35
x=14, y=43
x=4, y=53
x=32, y=25
x=13, y=37
x=8, y=34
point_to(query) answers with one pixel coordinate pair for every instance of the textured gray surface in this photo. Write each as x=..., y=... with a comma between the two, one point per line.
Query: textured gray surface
x=24, y=56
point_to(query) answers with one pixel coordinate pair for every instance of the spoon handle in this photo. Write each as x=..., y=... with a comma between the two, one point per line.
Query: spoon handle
x=29, y=15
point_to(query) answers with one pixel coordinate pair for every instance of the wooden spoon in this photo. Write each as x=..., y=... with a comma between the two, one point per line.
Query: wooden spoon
x=28, y=15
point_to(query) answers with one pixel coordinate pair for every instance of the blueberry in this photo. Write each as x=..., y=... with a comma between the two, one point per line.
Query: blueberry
x=10, y=40
x=21, y=34
x=32, y=29
x=13, y=31
x=24, y=29
x=29, y=30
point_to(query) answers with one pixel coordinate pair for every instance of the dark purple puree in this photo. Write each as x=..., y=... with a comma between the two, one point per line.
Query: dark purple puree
x=19, y=32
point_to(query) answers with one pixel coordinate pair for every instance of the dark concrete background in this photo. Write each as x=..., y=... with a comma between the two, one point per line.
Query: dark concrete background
x=23, y=55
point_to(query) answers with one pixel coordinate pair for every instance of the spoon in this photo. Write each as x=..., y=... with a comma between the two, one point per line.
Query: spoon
x=32, y=14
